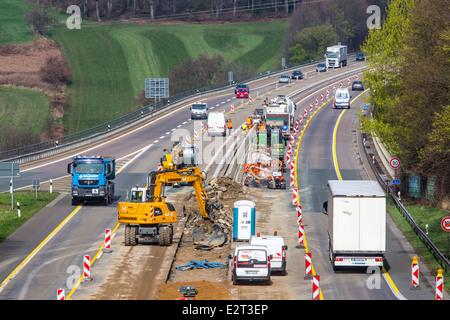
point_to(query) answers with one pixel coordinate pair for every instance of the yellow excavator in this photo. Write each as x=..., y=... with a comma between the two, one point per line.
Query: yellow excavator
x=147, y=216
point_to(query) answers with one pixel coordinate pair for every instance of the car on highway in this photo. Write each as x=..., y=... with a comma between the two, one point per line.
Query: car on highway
x=357, y=85
x=242, y=93
x=360, y=57
x=342, y=99
x=297, y=74
x=240, y=86
x=250, y=263
x=321, y=67
x=284, y=78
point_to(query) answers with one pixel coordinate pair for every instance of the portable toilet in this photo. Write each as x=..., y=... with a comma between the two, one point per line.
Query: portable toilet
x=243, y=220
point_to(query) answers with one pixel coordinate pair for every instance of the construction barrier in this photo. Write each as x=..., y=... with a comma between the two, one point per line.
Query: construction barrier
x=301, y=234
x=439, y=285
x=107, y=248
x=294, y=196
x=159, y=167
x=415, y=273
x=232, y=108
x=87, y=268
x=60, y=294
x=292, y=178
x=308, y=266
x=299, y=214
x=316, y=288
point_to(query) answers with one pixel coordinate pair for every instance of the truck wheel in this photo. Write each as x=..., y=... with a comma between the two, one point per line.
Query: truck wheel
x=130, y=236
x=74, y=202
x=164, y=236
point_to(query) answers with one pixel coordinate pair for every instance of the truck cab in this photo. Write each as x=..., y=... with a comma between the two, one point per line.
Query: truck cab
x=92, y=178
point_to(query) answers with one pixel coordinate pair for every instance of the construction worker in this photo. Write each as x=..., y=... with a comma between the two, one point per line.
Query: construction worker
x=229, y=125
x=249, y=122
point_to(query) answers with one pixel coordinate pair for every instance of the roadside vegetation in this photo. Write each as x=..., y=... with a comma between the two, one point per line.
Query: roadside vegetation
x=408, y=78
x=29, y=206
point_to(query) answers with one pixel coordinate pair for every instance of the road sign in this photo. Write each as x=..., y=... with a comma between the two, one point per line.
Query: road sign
x=395, y=181
x=394, y=163
x=445, y=224
x=36, y=184
x=157, y=88
x=9, y=169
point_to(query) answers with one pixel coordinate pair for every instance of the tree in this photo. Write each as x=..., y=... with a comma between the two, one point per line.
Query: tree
x=38, y=19
x=311, y=43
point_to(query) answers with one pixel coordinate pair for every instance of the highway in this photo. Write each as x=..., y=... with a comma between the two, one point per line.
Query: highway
x=43, y=255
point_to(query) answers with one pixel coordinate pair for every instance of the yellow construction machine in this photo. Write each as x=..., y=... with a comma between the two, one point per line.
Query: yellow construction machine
x=147, y=216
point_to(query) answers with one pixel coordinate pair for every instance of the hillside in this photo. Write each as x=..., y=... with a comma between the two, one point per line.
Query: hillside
x=110, y=62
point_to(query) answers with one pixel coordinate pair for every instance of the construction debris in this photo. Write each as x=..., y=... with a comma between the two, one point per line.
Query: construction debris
x=202, y=264
x=207, y=235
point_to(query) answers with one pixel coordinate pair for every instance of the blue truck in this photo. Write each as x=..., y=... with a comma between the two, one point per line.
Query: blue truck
x=92, y=179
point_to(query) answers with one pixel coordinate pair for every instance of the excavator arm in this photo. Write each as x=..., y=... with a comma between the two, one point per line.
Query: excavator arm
x=157, y=180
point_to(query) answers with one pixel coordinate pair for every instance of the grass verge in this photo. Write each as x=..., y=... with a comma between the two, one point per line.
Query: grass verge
x=423, y=215
x=29, y=206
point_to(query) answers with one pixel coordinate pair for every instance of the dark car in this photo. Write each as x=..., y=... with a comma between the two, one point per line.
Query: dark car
x=360, y=57
x=321, y=67
x=297, y=75
x=243, y=86
x=357, y=85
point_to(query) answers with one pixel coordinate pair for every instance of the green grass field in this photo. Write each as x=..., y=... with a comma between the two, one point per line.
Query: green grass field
x=12, y=26
x=17, y=104
x=110, y=62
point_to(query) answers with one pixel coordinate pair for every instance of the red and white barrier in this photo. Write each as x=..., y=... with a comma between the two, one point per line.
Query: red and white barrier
x=321, y=97
x=188, y=139
x=60, y=294
x=152, y=212
x=250, y=99
x=299, y=214
x=311, y=107
x=301, y=234
x=159, y=167
x=195, y=133
x=107, y=247
x=415, y=273
x=301, y=119
x=308, y=265
x=348, y=81
x=316, y=288
x=294, y=196
x=306, y=113
x=232, y=108
x=288, y=158
x=87, y=268
x=328, y=93
x=439, y=285
x=356, y=77
x=201, y=126
x=340, y=85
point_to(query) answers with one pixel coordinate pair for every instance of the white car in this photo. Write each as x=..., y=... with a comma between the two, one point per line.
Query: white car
x=284, y=78
x=342, y=99
x=216, y=124
x=277, y=249
x=251, y=263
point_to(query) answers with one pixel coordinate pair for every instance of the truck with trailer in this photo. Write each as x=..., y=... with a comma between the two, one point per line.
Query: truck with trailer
x=356, y=211
x=336, y=56
x=280, y=113
x=92, y=178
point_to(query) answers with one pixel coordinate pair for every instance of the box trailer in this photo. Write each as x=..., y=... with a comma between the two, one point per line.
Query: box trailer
x=356, y=212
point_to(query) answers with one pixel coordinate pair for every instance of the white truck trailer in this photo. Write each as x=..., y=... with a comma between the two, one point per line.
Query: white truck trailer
x=336, y=56
x=356, y=212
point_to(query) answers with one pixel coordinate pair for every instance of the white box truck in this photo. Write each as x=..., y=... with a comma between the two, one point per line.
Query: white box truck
x=356, y=212
x=336, y=56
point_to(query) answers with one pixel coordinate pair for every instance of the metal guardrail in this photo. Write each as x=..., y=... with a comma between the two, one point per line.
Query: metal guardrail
x=439, y=256
x=58, y=145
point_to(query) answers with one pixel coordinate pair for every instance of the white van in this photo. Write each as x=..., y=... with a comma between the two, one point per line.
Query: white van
x=216, y=124
x=251, y=263
x=277, y=249
x=199, y=110
x=342, y=98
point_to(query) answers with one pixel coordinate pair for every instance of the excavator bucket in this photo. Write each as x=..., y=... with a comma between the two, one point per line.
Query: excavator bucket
x=198, y=235
x=216, y=239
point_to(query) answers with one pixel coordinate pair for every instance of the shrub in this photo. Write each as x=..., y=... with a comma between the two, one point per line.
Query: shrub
x=55, y=71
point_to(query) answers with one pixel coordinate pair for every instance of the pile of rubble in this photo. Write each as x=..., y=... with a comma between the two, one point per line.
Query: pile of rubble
x=223, y=191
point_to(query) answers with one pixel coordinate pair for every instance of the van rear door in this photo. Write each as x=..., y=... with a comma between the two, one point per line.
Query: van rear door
x=252, y=263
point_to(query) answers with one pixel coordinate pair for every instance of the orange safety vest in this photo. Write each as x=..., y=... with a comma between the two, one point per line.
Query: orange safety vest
x=230, y=124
